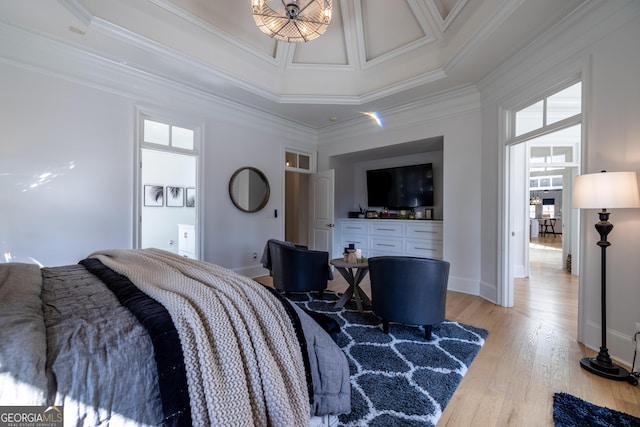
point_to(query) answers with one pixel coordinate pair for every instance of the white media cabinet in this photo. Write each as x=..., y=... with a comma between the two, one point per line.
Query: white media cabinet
x=378, y=237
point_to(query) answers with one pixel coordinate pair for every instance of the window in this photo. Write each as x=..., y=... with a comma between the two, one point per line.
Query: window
x=168, y=135
x=556, y=107
x=298, y=161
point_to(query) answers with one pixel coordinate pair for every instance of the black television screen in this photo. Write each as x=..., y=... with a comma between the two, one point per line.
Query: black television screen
x=400, y=187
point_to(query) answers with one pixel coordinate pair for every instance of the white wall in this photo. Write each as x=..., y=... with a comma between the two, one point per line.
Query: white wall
x=82, y=137
x=601, y=44
x=457, y=119
x=48, y=124
x=614, y=144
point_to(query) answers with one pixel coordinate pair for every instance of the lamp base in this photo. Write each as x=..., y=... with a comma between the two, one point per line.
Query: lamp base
x=607, y=370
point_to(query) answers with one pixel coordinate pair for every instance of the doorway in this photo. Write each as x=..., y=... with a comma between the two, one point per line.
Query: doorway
x=296, y=212
x=169, y=176
x=168, y=203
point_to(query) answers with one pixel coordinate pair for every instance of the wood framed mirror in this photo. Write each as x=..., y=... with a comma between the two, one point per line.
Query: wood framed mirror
x=249, y=189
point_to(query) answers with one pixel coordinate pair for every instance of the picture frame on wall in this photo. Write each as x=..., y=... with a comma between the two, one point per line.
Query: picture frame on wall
x=190, y=197
x=175, y=196
x=153, y=195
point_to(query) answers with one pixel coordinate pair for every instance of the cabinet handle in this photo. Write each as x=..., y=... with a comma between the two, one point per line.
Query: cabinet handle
x=386, y=229
x=385, y=244
x=185, y=235
x=424, y=231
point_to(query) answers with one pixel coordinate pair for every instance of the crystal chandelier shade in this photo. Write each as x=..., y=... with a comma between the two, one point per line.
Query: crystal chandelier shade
x=293, y=21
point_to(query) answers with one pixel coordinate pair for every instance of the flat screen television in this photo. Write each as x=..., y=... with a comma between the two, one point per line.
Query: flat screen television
x=401, y=187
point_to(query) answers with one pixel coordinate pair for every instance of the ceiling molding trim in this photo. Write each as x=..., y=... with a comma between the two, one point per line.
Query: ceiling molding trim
x=320, y=99
x=574, y=34
x=369, y=96
x=77, y=10
x=178, y=57
x=359, y=30
x=485, y=30
x=452, y=103
x=408, y=84
x=422, y=19
x=444, y=22
x=365, y=63
x=28, y=50
x=290, y=49
x=388, y=56
x=298, y=66
x=208, y=27
x=350, y=35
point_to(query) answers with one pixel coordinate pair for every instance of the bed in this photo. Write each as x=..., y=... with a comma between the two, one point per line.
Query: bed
x=145, y=337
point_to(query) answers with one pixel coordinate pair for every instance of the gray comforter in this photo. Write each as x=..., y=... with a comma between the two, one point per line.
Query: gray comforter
x=66, y=340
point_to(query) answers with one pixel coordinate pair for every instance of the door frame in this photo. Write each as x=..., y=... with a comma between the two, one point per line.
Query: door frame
x=197, y=152
x=505, y=289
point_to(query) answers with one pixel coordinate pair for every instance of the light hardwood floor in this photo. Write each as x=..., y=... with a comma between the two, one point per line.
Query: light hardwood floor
x=530, y=354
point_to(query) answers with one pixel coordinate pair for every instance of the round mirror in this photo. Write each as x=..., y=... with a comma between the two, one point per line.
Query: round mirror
x=249, y=189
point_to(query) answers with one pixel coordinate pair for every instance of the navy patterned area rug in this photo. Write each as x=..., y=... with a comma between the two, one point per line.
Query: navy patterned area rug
x=570, y=411
x=399, y=378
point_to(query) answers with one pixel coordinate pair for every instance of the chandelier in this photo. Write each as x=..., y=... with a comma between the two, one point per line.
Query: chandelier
x=293, y=21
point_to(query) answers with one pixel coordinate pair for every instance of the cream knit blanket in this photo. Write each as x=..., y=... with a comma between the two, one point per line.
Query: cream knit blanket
x=243, y=363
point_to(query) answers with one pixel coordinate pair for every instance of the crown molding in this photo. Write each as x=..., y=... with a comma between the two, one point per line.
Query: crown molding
x=175, y=57
x=444, y=105
x=567, y=42
x=25, y=49
x=206, y=26
x=77, y=10
x=444, y=22
x=485, y=30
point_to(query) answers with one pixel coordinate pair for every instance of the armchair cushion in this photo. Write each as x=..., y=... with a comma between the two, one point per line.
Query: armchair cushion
x=409, y=290
x=296, y=269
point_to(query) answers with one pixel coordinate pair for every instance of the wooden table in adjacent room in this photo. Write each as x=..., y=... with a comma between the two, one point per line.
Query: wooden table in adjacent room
x=353, y=273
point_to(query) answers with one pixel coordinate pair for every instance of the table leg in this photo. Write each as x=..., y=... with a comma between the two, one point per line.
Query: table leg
x=354, y=290
x=346, y=296
x=360, y=274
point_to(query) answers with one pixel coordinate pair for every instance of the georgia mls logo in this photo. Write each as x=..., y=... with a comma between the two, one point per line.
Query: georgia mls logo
x=31, y=416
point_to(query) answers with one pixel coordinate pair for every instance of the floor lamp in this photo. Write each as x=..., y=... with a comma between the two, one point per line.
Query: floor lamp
x=602, y=191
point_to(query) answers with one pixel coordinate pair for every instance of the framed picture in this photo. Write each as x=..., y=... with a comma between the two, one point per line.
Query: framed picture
x=191, y=197
x=428, y=213
x=175, y=196
x=153, y=195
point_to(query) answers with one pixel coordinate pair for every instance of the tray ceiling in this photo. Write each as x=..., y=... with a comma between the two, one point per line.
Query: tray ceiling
x=376, y=54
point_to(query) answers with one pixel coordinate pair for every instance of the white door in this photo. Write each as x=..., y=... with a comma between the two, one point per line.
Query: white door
x=321, y=215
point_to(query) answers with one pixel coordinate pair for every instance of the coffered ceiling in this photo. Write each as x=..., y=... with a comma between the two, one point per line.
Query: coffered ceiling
x=376, y=55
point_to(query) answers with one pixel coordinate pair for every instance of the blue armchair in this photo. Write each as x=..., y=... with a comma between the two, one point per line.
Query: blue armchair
x=409, y=290
x=296, y=268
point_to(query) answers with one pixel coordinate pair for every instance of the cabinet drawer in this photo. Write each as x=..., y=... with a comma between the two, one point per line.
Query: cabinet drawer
x=391, y=246
x=424, y=248
x=424, y=230
x=355, y=227
x=360, y=242
x=387, y=229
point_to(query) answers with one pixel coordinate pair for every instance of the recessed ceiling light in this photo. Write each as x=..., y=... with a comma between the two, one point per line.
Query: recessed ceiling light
x=76, y=30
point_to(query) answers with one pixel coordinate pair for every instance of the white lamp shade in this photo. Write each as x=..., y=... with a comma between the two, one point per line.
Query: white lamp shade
x=606, y=190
